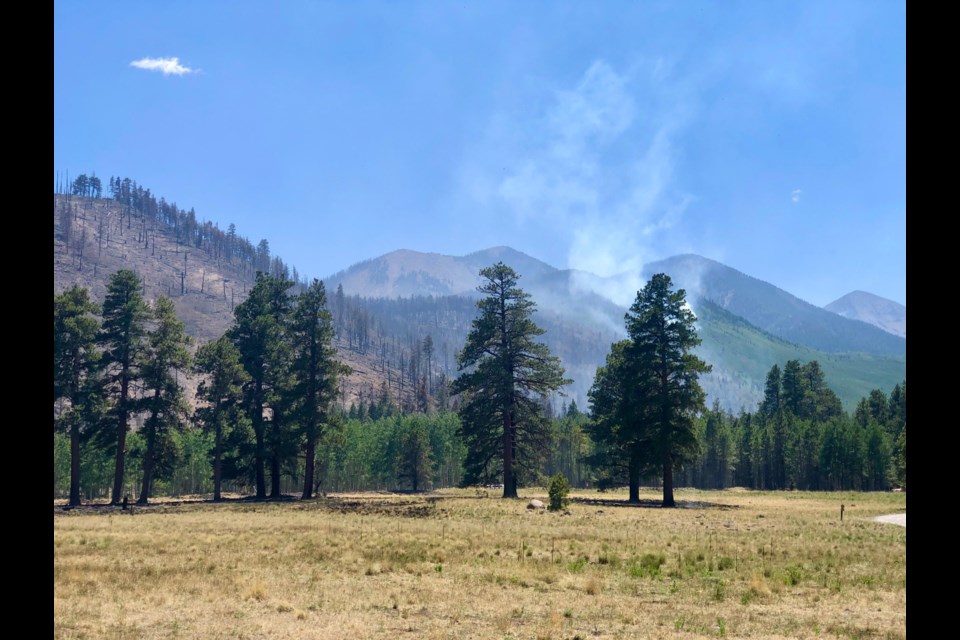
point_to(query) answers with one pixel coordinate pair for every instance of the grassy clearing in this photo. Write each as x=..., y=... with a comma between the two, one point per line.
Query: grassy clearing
x=457, y=564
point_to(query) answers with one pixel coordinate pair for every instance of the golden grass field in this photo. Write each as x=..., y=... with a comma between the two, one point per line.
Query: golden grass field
x=464, y=564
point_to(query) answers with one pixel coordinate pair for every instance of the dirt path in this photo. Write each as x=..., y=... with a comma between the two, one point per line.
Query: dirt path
x=894, y=518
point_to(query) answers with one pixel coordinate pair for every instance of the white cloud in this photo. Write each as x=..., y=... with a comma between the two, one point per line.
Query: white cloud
x=166, y=66
x=795, y=196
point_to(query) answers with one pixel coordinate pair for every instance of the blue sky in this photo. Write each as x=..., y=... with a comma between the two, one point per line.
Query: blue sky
x=770, y=136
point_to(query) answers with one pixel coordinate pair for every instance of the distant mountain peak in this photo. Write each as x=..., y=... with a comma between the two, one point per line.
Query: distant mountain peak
x=873, y=309
x=775, y=310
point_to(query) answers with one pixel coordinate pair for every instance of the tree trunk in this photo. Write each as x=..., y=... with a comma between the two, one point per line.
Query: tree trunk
x=509, y=479
x=117, y=496
x=261, y=472
x=217, y=468
x=308, y=471
x=668, y=484
x=275, y=476
x=148, y=458
x=633, y=471
x=147, y=476
x=75, y=464
x=259, y=455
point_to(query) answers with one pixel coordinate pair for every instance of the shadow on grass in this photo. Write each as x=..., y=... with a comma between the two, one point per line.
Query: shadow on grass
x=652, y=504
x=163, y=504
x=373, y=503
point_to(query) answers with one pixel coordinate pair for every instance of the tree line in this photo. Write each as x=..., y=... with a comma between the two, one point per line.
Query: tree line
x=266, y=394
x=800, y=438
x=266, y=410
x=141, y=208
x=406, y=352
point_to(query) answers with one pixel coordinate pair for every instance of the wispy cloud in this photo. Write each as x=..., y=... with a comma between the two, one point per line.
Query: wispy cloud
x=166, y=66
x=795, y=196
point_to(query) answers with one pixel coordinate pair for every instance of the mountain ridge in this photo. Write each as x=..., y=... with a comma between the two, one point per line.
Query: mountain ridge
x=886, y=314
x=776, y=310
x=379, y=340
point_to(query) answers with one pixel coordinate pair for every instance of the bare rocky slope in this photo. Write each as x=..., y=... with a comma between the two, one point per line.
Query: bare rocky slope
x=103, y=240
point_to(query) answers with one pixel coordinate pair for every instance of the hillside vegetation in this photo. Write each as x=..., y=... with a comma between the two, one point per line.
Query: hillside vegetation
x=389, y=306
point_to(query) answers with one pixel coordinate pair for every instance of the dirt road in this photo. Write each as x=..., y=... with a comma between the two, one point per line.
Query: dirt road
x=894, y=518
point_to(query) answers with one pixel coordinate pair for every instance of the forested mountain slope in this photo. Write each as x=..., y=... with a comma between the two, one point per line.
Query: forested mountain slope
x=580, y=325
x=775, y=310
x=406, y=314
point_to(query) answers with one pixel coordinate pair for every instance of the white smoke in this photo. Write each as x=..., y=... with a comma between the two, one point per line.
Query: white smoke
x=602, y=166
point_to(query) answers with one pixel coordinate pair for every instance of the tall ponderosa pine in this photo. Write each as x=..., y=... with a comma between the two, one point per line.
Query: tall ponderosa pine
x=316, y=371
x=505, y=374
x=166, y=356
x=259, y=333
x=75, y=361
x=664, y=374
x=222, y=392
x=125, y=316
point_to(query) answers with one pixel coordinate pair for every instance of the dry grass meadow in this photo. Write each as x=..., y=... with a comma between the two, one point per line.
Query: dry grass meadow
x=464, y=564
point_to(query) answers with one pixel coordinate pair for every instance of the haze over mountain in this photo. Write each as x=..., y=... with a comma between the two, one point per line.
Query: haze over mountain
x=404, y=273
x=775, y=310
x=392, y=303
x=747, y=324
x=880, y=312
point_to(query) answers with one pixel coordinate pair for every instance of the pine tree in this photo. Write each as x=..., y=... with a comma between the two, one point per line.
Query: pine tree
x=316, y=371
x=259, y=333
x=617, y=426
x=665, y=375
x=122, y=333
x=416, y=458
x=222, y=391
x=167, y=354
x=771, y=392
x=504, y=374
x=792, y=387
x=75, y=366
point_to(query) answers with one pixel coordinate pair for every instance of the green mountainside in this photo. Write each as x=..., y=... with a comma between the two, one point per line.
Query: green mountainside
x=743, y=354
x=775, y=310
